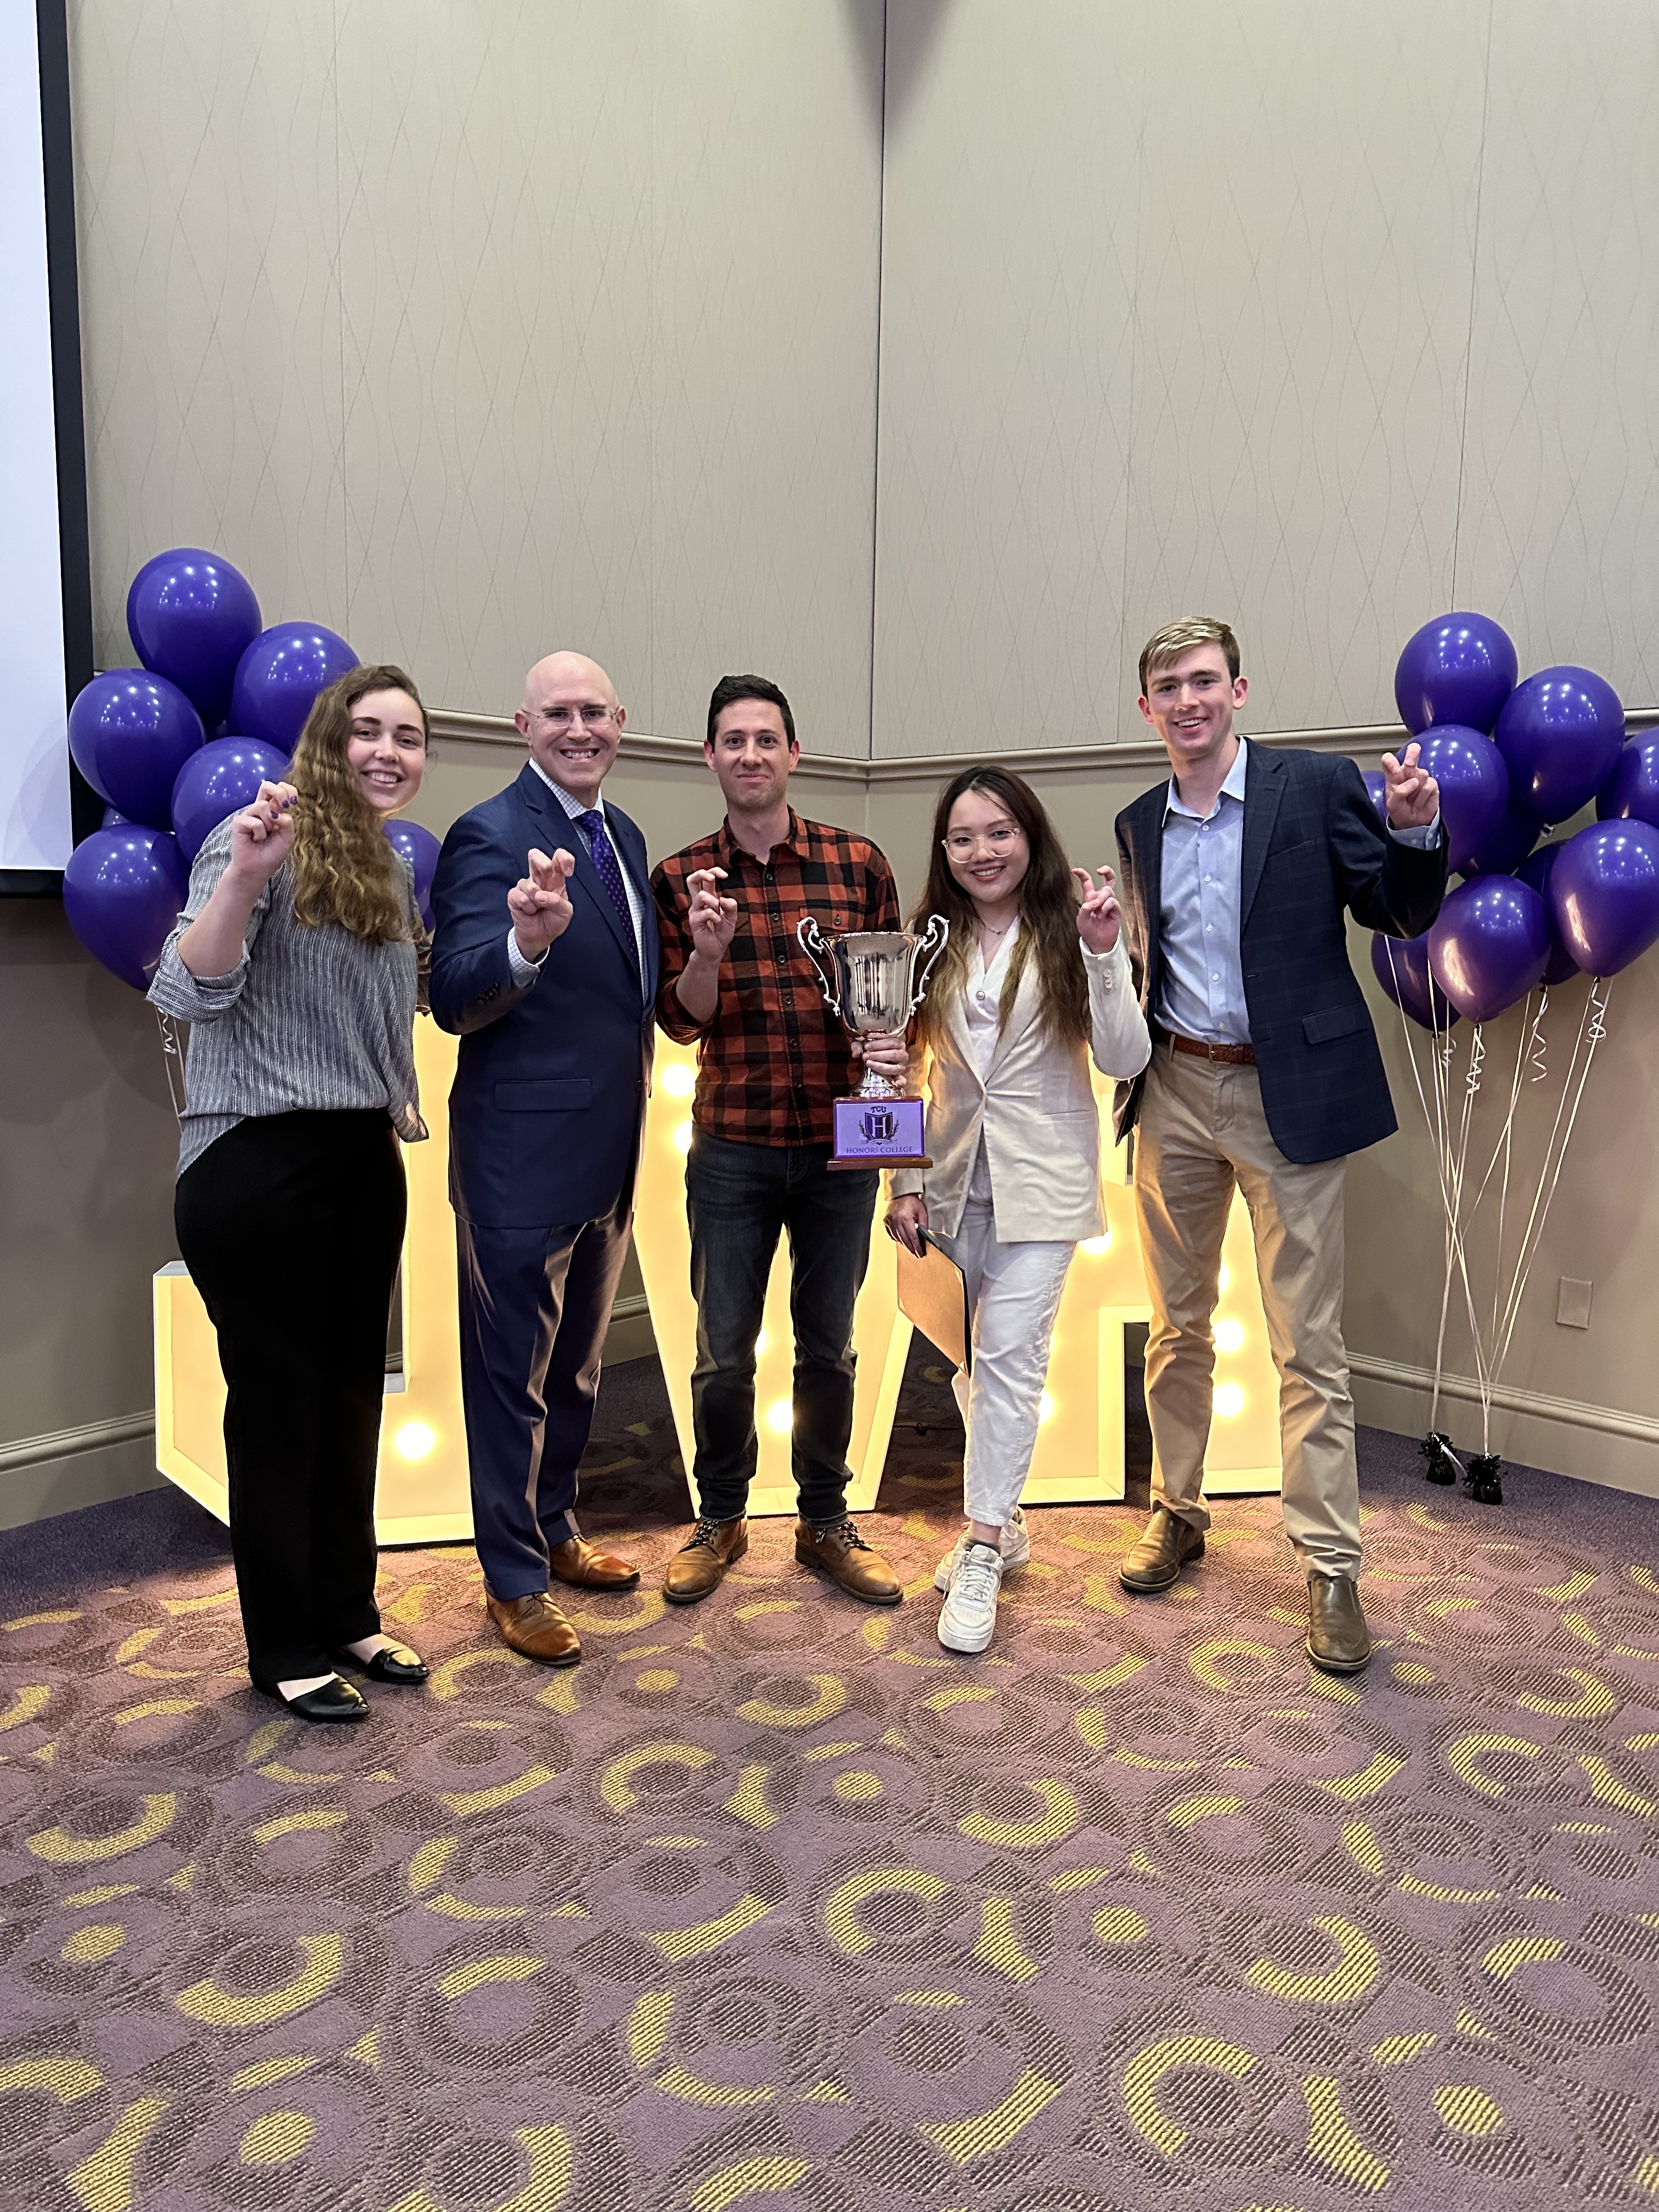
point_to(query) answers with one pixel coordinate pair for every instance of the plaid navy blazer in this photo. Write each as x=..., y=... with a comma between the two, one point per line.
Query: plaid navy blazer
x=1313, y=845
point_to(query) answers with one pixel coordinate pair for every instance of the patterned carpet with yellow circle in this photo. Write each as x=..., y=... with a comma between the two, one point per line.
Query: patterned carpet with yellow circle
x=772, y=1903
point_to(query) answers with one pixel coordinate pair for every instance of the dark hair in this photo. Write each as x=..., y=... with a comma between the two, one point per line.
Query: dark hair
x=1047, y=913
x=730, y=689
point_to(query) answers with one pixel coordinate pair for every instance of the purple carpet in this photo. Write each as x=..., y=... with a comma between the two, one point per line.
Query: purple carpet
x=770, y=1904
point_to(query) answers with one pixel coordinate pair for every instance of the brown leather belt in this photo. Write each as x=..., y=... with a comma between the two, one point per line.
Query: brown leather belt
x=1225, y=1055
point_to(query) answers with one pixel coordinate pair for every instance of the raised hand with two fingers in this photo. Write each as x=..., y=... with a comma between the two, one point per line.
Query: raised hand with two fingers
x=711, y=919
x=1413, y=795
x=262, y=835
x=1099, y=917
x=539, y=903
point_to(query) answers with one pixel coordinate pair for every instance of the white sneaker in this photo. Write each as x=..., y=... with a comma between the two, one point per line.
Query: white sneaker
x=1015, y=1549
x=968, y=1618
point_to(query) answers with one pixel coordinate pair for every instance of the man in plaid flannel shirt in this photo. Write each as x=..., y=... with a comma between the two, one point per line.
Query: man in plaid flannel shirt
x=771, y=1058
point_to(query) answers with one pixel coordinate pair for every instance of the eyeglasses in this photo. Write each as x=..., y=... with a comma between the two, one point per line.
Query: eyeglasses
x=961, y=848
x=591, y=716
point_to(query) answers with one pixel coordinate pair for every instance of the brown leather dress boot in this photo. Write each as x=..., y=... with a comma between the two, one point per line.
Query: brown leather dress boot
x=842, y=1555
x=1165, y=1547
x=535, y=1625
x=700, y=1566
x=1338, y=1642
x=584, y=1566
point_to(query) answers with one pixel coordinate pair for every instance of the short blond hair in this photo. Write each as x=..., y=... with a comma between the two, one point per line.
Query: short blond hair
x=1175, y=638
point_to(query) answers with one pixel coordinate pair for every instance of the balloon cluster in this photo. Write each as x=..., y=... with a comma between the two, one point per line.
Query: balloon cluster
x=186, y=739
x=1511, y=760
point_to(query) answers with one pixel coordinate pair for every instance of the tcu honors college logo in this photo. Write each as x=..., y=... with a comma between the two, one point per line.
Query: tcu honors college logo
x=880, y=1124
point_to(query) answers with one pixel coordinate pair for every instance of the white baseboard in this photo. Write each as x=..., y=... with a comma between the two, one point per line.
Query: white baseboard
x=1592, y=1443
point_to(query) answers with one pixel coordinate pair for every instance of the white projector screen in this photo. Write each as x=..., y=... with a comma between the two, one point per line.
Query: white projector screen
x=44, y=519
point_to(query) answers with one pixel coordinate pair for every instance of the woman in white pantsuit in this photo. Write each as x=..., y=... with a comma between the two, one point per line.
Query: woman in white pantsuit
x=1031, y=982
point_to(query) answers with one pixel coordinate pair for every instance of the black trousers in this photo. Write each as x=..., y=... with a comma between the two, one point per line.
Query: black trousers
x=740, y=1199
x=291, y=1225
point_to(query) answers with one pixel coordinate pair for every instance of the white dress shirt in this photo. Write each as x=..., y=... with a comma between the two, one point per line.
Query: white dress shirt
x=524, y=971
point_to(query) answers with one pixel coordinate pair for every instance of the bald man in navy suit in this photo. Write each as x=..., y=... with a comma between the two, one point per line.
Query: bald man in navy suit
x=545, y=964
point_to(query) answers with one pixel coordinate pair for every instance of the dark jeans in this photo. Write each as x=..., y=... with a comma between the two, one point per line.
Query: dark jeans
x=290, y=1225
x=535, y=1306
x=738, y=1199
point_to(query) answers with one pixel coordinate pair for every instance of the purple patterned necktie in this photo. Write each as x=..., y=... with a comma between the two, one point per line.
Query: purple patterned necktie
x=609, y=869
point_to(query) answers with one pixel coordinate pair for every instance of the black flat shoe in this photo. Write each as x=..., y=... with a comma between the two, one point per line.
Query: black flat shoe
x=333, y=1700
x=394, y=1664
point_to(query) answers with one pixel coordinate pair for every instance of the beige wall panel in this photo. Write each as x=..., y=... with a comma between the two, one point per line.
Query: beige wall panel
x=766, y=244
x=495, y=276
x=1008, y=251
x=207, y=200
x=1301, y=332
x=1560, y=535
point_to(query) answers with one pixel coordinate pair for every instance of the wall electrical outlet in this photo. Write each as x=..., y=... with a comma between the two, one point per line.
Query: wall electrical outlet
x=1572, y=1305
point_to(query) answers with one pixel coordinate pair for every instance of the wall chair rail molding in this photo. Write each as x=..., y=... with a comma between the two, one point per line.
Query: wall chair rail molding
x=63, y=1469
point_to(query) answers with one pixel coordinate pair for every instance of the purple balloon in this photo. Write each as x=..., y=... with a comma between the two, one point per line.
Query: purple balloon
x=421, y=849
x=114, y=819
x=1376, y=784
x=1400, y=965
x=1561, y=733
x=1490, y=945
x=223, y=777
x=1458, y=668
x=1630, y=793
x=1475, y=787
x=123, y=890
x=280, y=675
x=191, y=617
x=1537, y=871
x=130, y=732
x=1502, y=852
x=1605, y=892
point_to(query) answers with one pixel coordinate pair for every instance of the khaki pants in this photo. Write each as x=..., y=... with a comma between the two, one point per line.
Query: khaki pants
x=1202, y=1130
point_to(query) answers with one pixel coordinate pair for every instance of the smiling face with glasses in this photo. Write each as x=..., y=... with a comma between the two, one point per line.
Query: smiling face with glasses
x=989, y=854
x=571, y=722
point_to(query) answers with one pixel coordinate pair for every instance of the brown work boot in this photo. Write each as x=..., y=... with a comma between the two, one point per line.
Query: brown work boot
x=584, y=1566
x=842, y=1555
x=701, y=1566
x=535, y=1625
x=1338, y=1642
x=1166, y=1545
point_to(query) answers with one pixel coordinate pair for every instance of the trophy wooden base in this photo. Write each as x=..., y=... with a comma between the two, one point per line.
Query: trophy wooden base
x=880, y=1133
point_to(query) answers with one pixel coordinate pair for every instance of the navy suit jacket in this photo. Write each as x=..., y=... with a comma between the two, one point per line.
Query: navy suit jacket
x=549, y=1098
x=1314, y=844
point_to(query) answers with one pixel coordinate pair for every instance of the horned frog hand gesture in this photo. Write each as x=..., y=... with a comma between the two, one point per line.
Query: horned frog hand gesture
x=1099, y=917
x=712, y=919
x=539, y=903
x=262, y=835
x=1413, y=796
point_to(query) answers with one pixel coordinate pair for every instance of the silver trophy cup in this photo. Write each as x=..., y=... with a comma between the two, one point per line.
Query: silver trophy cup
x=874, y=979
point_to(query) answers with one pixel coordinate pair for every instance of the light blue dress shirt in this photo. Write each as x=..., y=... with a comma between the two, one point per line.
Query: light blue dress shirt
x=1203, y=983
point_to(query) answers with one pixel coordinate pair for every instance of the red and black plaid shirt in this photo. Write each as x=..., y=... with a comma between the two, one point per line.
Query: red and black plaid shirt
x=772, y=1056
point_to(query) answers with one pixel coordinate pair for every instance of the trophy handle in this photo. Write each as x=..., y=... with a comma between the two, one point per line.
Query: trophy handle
x=925, y=959
x=813, y=942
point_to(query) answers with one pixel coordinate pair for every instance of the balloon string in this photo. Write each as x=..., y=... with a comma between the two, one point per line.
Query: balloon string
x=173, y=1061
x=1536, y=1042
x=1437, y=1121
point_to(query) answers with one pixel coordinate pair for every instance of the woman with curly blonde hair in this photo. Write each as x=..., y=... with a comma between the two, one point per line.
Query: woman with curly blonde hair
x=298, y=962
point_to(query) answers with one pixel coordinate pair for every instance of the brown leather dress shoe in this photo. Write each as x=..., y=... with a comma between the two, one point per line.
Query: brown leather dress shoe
x=1338, y=1642
x=842, y=1555
x=701, y=1566
x=584, y=1566
x=535, y=1625
x=1168, y=1543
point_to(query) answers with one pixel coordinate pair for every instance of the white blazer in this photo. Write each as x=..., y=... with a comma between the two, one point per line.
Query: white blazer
x=1035, y=1106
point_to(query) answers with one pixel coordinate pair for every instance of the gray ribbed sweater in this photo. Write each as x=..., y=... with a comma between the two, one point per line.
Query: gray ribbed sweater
x=309, y=1017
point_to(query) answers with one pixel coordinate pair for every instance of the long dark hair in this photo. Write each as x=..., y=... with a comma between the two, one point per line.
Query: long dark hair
x=1047, y=915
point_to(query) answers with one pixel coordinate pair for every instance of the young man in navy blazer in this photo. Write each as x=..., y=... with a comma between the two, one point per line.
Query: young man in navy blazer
x=545, y=964
x=1237, y=872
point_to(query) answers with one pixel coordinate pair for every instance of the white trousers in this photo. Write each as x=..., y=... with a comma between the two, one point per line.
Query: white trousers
x=1013, y=1292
